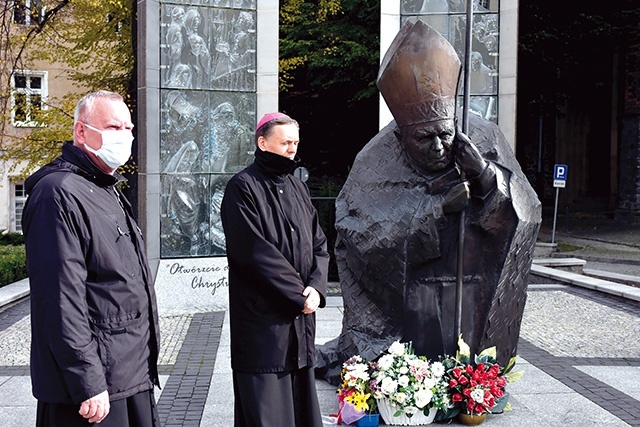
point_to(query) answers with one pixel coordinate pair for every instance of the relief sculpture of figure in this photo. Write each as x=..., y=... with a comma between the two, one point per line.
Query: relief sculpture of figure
x=185, y=198
x=199, y=56
x=398, y=216
x=228, y=141
x=175, y=39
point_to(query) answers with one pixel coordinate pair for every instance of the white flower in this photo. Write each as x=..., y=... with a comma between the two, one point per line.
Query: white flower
x=388, y=385
x=410, y=410
x=403, y=380
x=397, y=348
x=400, y=398
x=385, y=362
x=360, y=371
x=423, y=397
x=437, y=369
x=429, y=382
x=478, y=395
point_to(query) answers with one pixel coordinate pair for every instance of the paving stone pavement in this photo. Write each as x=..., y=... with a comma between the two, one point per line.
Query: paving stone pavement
x=579, y=351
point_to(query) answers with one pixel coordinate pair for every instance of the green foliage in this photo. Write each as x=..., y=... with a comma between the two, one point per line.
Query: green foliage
x=13, y=265
x=90, y=43
x=11, y=238
x=329, y=46
x=556, y=44
x=329, y=55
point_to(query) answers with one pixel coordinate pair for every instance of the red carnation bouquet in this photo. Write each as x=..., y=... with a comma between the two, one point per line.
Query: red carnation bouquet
x=477, y=386
x=476, y=389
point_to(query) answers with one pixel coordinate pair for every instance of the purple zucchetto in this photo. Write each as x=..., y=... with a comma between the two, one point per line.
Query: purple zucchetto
x=268, y=117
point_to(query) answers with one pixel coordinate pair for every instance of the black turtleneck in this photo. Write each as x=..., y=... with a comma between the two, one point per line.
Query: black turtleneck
x=274, y=164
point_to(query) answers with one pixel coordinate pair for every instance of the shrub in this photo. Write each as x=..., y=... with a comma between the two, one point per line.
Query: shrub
x=9, y=238
x=13, y=264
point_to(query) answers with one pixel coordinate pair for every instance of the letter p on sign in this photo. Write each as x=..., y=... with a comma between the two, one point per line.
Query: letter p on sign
x=560, y=175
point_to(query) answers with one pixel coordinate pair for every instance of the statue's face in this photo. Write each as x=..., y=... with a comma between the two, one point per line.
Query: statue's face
x=429, y=145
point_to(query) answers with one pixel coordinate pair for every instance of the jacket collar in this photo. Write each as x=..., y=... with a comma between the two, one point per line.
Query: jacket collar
x=80, y=163
x=274, y=164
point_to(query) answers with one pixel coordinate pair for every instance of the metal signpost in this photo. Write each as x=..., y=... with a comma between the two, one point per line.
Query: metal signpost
x=559, y=181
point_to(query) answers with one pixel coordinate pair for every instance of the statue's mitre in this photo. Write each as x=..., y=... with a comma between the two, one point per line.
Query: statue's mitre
x=419, y=74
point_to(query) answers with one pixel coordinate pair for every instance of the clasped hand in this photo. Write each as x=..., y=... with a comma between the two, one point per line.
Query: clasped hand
x=313, y=300
x=96, y=408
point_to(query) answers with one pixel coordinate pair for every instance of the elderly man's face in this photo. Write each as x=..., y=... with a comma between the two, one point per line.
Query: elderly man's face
x=429, y=145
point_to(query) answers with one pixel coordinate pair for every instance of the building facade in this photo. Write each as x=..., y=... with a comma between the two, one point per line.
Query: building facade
x=30, y=87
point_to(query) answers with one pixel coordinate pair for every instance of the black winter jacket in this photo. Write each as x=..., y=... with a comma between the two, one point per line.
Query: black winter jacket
x=275, y=248
x=93, y=307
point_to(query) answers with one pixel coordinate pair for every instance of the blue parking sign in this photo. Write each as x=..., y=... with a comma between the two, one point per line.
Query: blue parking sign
x=560, y=175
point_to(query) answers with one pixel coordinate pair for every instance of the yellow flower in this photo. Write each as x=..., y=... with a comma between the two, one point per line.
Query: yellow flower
x=359, y=401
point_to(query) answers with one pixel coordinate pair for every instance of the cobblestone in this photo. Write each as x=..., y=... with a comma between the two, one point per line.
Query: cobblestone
x=15, y=340
x=173, y=329
x=568, y=325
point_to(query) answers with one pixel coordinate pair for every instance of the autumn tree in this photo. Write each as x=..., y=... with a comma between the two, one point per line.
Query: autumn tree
x=329, y=56
x=89, y=40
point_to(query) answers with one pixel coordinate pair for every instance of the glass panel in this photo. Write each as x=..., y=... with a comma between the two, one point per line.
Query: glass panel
x=19, y=198
x=36, y=11
x=35, y=82
x=216, y=238
x=19, y=191
x=190, y=221
x=20, y=107
x=208, y=48
x=184, y=120
x=486, y=5
x=20, y=81
x=230, y=139
x=485, y=106
x=36, y=105
x=440, y=23
x=479, y=6
x=19, y=12
x=206, y=134
x=233, y=50
x=181, y=215
x=424, y=6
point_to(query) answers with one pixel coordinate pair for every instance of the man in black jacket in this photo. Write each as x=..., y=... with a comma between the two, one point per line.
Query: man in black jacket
x=94, y=321
x=278, y=264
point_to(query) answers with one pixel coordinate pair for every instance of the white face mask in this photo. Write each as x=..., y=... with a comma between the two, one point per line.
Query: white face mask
x=116, y=146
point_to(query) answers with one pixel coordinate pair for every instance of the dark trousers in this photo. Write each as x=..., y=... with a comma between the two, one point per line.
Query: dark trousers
x=138, y=410
x=276, y=399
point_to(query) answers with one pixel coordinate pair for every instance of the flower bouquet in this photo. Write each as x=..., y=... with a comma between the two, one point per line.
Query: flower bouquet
x=354, y=394
x=409, y=389
x=477, y=386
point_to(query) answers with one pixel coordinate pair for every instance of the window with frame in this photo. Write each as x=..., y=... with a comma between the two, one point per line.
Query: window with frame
x=27, y=12
x=28, y=97
x=18, y=200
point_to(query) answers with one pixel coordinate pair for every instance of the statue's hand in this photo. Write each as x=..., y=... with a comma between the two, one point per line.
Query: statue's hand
x=468, y=157
x=456, y=198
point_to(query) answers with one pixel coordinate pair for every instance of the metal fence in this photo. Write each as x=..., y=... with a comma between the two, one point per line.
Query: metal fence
x=327, y=216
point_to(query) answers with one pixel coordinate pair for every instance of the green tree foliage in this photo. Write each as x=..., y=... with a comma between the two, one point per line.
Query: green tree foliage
x=90, y=40
x=329, y=55
x=329, y=46
x=557, y=45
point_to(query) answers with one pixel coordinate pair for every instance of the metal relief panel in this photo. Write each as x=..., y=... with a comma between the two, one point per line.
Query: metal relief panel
x=229, y=144
x=233, y=53
x=207, y=117
x=448, y=18
x=183, y=119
